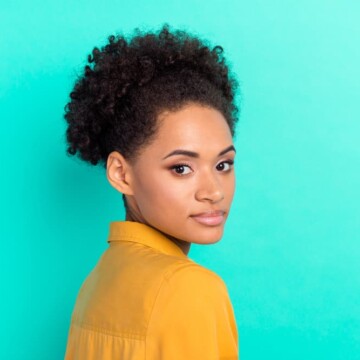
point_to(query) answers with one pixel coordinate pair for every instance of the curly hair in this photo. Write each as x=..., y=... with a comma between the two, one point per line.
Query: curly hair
x=129, y=82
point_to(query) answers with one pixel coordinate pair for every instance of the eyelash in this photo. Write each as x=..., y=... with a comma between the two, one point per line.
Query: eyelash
x=174, y=167
x=228, y=162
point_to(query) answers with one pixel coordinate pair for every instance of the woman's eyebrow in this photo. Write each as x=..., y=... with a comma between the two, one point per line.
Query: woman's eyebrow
x=230, y=148
x=195, y=154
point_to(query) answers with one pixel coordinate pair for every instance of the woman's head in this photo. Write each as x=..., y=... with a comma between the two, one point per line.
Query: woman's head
x=135, y=92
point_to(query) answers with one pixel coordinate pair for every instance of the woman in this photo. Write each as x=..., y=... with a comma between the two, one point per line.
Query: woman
x=158, y=111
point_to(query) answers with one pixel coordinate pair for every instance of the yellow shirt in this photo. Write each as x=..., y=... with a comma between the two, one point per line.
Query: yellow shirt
x=145, y=299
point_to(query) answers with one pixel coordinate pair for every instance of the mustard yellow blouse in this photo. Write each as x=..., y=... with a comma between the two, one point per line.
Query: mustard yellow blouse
x=145, y=299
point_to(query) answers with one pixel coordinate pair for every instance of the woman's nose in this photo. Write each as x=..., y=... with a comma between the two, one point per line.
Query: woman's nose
x=209, y=189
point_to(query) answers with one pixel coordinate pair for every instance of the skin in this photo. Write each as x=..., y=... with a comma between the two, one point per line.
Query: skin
x=186, y=196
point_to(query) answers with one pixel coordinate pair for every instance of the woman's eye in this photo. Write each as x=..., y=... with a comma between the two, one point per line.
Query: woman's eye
x=225, y=165
x=181, y=169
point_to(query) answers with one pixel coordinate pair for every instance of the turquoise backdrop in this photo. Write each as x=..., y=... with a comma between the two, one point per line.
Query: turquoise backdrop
x=290, y=255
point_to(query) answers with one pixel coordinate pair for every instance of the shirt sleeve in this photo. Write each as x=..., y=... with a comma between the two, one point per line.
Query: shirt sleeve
x=192, y=318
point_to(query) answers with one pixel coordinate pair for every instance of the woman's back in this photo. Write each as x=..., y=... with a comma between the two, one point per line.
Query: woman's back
x=146, y=299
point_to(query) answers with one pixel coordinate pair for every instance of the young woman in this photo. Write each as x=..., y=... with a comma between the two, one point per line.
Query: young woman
x=158, y=111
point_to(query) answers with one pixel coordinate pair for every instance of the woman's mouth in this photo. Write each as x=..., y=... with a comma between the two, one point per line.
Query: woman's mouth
x=210, y=218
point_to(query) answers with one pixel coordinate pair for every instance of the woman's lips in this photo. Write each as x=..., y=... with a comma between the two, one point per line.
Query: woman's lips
x=211, y=218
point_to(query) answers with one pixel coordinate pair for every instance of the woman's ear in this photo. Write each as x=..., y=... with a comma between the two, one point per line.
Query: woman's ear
x=118, y=172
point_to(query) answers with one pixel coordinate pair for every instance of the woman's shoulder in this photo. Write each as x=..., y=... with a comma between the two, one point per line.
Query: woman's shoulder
x=188, y=275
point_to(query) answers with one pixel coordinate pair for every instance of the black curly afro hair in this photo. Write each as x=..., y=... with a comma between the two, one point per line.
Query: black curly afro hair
x=129, y=82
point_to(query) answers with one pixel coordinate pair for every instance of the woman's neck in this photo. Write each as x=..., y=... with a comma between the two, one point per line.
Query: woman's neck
x=183, y=245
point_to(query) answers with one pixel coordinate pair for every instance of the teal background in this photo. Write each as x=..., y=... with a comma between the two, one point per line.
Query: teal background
x=290, y=254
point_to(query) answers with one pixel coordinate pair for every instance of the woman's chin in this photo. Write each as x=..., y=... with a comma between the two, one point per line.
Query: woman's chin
x=210, y=236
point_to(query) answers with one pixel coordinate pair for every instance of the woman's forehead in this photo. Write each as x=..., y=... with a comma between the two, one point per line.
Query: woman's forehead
x=193, y=125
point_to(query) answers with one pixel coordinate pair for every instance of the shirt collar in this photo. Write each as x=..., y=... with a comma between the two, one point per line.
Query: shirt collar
x=143, y=234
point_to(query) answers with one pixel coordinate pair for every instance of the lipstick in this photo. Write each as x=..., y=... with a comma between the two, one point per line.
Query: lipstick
x=210, y=218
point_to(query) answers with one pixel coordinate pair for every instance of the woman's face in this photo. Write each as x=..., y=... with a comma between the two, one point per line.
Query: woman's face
x=183, y=182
